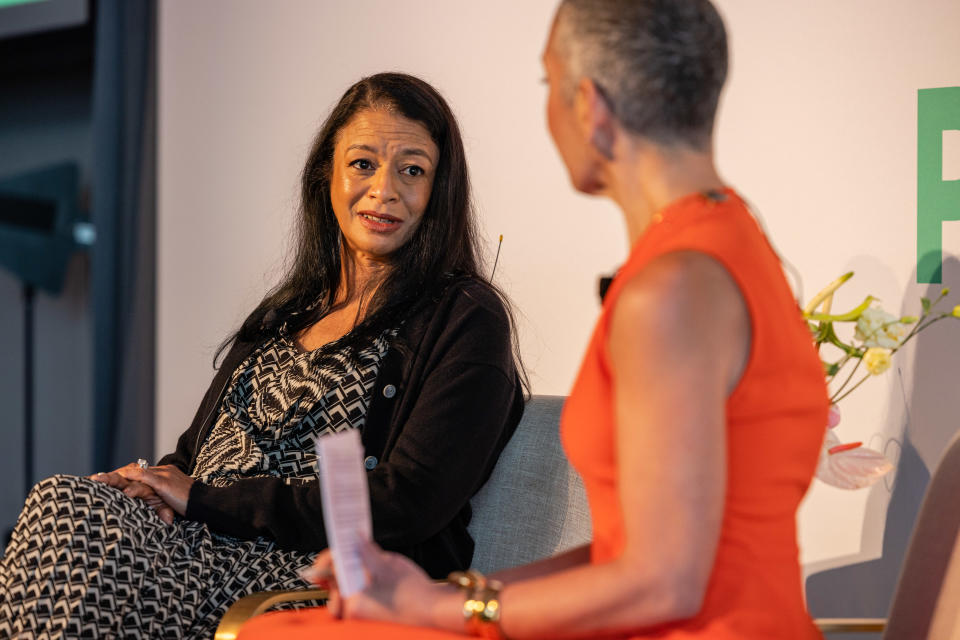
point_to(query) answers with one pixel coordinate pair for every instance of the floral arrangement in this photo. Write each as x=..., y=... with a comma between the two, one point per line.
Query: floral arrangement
x=877, y=336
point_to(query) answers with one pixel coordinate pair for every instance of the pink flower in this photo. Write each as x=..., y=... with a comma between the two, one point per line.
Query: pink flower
x=833, y=417
x=848, y=465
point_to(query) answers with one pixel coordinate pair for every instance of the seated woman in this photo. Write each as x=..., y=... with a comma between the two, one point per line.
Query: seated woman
x=697, y=415
x=383, y=324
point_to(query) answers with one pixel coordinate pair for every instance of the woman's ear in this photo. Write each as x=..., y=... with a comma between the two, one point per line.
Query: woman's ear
x=595, y=117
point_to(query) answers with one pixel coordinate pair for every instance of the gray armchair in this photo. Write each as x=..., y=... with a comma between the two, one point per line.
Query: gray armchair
x=533, y=506
x=926, y=603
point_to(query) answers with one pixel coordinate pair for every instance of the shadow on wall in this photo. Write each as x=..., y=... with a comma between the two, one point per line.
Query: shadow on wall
x=865, y=589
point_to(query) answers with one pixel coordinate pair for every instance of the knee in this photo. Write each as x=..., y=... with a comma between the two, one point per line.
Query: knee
x=61, y=488
x=55, y=482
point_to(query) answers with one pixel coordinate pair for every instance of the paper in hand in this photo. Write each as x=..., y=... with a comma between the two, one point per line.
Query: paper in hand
x=346, y=506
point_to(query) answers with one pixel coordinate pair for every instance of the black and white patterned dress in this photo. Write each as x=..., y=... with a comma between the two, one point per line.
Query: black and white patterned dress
x=85, y=561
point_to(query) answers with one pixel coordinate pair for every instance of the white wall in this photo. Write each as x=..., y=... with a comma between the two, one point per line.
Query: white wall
x=817, y=128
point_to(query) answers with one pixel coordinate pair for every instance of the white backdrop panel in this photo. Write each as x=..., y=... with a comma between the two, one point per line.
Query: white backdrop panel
x=817, y=128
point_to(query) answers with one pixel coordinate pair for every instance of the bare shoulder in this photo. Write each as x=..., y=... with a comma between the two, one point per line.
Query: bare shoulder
x=680, y=280
x=684, y=305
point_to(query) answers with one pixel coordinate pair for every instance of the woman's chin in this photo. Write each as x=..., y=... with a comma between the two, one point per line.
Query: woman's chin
x=376, y=248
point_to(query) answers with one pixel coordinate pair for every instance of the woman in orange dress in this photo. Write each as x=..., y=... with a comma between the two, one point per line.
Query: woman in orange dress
x=698, y=412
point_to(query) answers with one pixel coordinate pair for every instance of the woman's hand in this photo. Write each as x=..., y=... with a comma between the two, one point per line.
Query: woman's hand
x=397, y=590
x=320, y=574
x=134, y=489
x=113, y=478
x=168, y=482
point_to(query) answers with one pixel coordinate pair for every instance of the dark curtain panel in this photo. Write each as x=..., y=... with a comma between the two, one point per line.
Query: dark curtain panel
x=123, y=206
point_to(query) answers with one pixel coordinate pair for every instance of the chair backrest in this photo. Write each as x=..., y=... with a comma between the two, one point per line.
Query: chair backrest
x=928, y=558
x=534, y=505
x=946, y=618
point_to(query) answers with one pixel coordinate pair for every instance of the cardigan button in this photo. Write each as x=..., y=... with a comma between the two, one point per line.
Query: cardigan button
x=369, y=463
x=389, y=391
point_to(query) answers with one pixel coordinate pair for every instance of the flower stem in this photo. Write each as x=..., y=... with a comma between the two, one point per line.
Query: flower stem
x=837, y=398
x=921, y=328
x=836, y=393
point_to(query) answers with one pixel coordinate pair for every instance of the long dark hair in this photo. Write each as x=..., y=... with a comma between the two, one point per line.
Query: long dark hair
x=444, y=247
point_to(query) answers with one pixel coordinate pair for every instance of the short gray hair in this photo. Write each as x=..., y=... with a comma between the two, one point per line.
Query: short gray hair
x=660, y=64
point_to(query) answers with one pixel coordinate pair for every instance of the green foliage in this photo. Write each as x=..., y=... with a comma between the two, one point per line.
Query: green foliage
x=875, y=329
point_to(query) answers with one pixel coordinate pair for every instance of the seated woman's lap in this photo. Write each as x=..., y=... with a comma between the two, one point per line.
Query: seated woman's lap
x=99, y=556
x=80, y=513
x=316, y=622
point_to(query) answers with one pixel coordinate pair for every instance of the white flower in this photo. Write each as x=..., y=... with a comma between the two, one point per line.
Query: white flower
x=877, y=360
x=877, y=328
x=850, y=466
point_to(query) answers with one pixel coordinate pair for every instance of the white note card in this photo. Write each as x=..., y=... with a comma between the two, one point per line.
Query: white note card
x=346, y=505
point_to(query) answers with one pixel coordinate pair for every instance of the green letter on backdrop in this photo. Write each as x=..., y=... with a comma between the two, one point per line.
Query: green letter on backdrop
x=938, y=200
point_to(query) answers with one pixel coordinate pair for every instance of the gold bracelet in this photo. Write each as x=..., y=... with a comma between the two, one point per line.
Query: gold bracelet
x=481, y=608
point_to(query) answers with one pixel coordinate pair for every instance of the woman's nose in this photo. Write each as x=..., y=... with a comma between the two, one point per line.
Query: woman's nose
x=383, y=187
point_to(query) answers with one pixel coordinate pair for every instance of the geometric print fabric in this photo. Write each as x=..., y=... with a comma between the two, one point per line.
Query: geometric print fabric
x=86, y=561
x=280, y=400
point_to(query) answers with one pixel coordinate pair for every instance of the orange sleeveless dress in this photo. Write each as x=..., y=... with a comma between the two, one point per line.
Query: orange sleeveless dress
x=775, y=424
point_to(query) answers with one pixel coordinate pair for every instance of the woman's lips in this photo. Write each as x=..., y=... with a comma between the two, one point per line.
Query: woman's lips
x=380, y=222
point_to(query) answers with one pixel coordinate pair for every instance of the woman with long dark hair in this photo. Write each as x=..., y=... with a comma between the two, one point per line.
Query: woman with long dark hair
x=383, y=324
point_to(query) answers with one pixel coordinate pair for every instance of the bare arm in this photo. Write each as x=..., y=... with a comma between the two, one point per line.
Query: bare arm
x=679, y=341
x=567, y=559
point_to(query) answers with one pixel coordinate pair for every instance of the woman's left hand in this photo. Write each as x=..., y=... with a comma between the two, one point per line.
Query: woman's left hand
x=167, y=481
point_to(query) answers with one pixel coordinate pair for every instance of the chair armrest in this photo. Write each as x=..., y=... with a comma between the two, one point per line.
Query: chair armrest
x=850, y=625
x=255, y=604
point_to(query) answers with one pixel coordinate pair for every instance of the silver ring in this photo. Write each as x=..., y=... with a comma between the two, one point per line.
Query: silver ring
x=143, y=464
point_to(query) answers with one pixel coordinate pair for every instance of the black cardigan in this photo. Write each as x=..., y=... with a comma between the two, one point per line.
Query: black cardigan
x=439, y=415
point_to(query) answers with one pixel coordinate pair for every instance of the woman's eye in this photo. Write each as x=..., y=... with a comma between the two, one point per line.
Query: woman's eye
x=363, y=165
x=413, y=170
